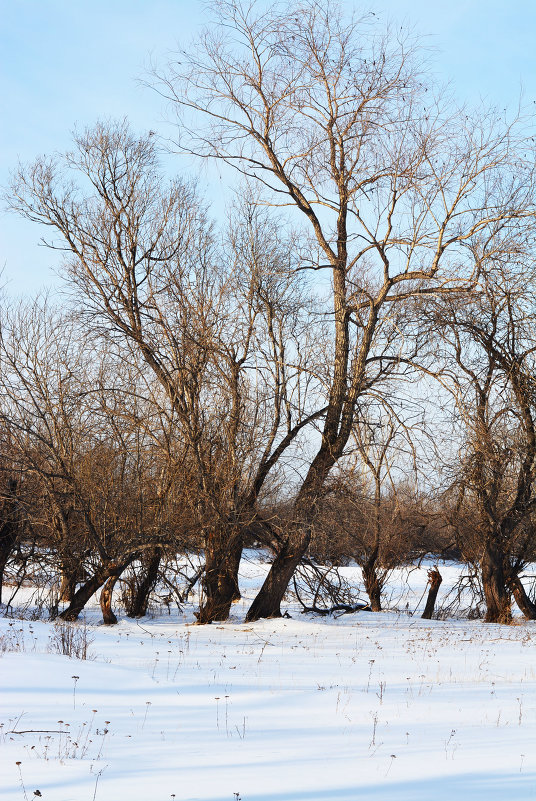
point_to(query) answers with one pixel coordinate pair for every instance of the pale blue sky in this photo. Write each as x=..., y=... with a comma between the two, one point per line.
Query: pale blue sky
x=67, y=62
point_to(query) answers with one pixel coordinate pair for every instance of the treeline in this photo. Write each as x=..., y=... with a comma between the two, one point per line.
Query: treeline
x=348, y=376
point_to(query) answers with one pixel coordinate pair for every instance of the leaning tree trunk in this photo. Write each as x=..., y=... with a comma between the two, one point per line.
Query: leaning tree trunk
x=435, y=578
x=108, y=616
x=498, y=598
x=526, y=605
x=220, y=579
x=137, y=606
x=83, y=594
x=9, y=528
x=90, y=587
x=343, y=396
x=373, y=586
x=267, y=603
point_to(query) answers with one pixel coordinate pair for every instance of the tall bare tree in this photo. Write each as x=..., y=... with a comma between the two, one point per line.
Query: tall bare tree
x=146, y=264
x=333, y=117
x=489, y=370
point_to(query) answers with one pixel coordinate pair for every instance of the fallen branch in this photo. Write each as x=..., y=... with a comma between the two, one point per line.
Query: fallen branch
x=346, y=609
x=38, y=731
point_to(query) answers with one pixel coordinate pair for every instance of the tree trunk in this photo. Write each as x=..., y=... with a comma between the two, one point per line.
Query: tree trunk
x=220, y=579
x=7, y=543
x=83, y=594
x=108, y=615
x=435, y=578
x=67, y=587
x=90, y=587
x=498, y=599
x=229, y=578
x=69, y=579
x=268, y=601
x=139, y=601
x=9, y=528
x=372, y=582
x=527, y=607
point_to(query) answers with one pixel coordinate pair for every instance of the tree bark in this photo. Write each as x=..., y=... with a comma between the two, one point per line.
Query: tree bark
x=268, y=601
x=372, y=583
x=9, y=528
x=82, y=595
x=498, y=599
x=220, y=579
x=90, y=587
x=527, y=607
x=139, y=601
x=108, y=616
x=435, y=578
x=229, y=579
x=69, y=579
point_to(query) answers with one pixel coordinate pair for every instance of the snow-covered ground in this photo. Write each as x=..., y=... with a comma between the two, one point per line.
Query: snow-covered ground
x=364, y=706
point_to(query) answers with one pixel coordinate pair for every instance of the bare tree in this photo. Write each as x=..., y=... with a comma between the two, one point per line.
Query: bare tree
x=145, y=262
x=490, y=372
x=377, y=444
x=333, y=117
x=39, y=391
x=100, y=481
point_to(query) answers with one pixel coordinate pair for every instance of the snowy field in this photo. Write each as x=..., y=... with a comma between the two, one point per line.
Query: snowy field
x=383, y=707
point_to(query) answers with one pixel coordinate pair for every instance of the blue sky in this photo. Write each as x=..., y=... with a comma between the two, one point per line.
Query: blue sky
x=68, y=62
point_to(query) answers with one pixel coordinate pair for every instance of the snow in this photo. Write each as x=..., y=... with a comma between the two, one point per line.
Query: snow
x=363, y=706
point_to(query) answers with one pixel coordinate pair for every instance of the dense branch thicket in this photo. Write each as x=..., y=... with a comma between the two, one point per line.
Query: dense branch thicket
x=489, y=342
x=212, y=388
